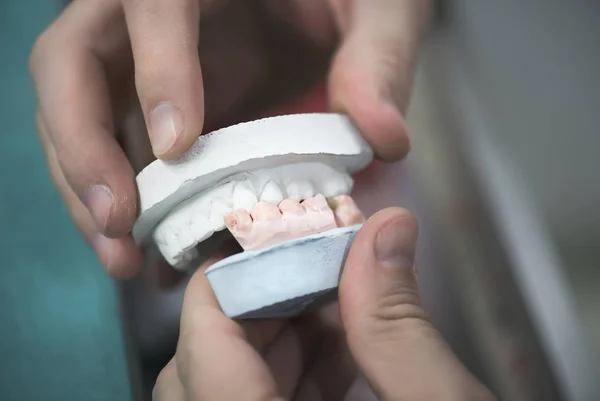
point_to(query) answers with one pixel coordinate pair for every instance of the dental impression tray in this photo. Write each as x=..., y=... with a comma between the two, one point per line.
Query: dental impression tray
x=280, y=187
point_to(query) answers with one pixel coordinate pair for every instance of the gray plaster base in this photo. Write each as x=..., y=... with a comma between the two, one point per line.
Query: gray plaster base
x=282, y=280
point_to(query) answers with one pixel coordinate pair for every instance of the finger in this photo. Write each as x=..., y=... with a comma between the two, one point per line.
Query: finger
x=285, y=359
x=291, y=352
x=260, y=333
x=164, y=40
x=371, y=75
x=388, y=333
x=331, y=373
x=74, y=101
x=120, y=256
x=168, y=387
x=214, y=359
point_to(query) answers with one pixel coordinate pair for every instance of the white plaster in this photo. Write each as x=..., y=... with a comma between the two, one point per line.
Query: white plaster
x=287, y=277
x=329, y=139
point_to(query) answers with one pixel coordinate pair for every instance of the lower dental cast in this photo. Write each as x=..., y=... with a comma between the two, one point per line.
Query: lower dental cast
x=267, y=224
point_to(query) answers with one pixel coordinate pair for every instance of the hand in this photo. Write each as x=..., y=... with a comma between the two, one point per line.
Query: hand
x=390, y=339
x=104, y=62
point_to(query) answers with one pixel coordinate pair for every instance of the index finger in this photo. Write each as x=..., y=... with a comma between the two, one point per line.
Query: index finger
x=215, y=360
x=164, y=41
x=75, y=103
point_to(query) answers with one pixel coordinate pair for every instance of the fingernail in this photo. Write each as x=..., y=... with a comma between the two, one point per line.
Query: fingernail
x=396, y=242
x=166, y=123
x=99, y=201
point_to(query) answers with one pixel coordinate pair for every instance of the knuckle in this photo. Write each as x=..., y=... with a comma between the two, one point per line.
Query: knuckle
x=395, y=316
x=413, y=324
x=182, y=361
x=39, y=50
x=40, y=129
x=164, y=381
x=401, y=304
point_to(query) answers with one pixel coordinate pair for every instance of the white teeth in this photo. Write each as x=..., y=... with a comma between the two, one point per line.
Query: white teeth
x=189, y=235
x=271, y=193
x=218, y=209
x=186, y=236
x=244, y=197
x=199, y=217
x=348, y=184
x=203, y=231
x=165, y=250
x=335, y=185
x=301, y=189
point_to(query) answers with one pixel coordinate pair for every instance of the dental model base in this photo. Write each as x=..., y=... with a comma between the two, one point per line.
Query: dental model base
x=280, y=187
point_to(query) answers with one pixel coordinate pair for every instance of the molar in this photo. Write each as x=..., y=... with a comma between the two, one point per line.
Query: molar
x=317, y=203
x=300, y=189
x=197, y=231
x=334, y=185
x=200, y=231
x=271, y=193
x=345, y=210
x=348, y=182
x=290, y=206
x=224, y=191
x=218, y=209
x=264, y=211
x=244, y=196
x=184, y=236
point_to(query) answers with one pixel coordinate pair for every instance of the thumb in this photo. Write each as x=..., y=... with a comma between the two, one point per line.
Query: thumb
x=371, y=74
x=395, y=346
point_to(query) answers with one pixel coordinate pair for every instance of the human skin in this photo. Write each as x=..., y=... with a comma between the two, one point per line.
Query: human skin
x=122, y=82
x=378, y=329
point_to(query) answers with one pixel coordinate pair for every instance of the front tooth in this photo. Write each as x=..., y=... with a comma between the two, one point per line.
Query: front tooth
x=244, y=196
x=271, y=193
x=218, y=209
x=299, y=190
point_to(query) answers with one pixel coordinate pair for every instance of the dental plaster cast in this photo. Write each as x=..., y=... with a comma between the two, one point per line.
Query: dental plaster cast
x=280, y=187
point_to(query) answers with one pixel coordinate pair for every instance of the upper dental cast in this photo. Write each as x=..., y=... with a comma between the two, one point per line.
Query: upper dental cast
x=182, y=202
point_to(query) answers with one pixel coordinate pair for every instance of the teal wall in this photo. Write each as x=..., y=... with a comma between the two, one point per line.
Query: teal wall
x=60, y=334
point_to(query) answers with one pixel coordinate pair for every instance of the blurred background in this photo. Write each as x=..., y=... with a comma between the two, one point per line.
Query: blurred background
x=504, y=176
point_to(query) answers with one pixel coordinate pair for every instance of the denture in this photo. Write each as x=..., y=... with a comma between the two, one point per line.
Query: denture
x=267, y=224
x=278, y=186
